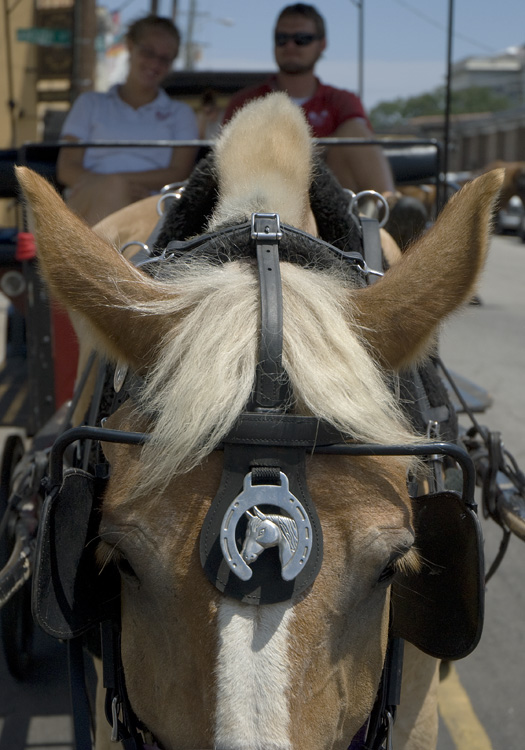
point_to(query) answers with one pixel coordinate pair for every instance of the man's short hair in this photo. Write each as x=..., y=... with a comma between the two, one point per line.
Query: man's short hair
x=306, y=11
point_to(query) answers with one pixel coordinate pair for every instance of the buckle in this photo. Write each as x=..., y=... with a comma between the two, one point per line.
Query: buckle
x=115, y=724
x=266, y=228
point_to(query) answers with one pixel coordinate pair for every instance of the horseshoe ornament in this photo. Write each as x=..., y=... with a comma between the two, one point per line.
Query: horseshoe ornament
x=278, y=496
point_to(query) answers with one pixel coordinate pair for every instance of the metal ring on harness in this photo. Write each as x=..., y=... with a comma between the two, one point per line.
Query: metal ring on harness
x=174, y=191
x=173, y=187
x=356, y=197
x=142, y=245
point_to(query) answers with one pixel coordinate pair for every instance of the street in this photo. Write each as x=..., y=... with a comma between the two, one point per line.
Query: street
x=482, y=699
x=487, y=345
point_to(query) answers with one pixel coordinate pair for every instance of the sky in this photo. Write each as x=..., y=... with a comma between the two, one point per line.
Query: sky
x=405, y=42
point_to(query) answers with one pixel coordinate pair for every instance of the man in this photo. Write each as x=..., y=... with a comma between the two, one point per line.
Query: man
x=300, y=40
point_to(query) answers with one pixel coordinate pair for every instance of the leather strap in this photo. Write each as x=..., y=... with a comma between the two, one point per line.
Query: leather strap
x=254, y=428
x=380, y=725
x=119, y=713
x=372, y=251
x=79, y=699
x=270, y=381
x=429, y=413
x=230, y=242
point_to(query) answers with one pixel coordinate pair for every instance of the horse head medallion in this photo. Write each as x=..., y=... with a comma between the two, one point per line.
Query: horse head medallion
x=266, y=531
x=291, y=533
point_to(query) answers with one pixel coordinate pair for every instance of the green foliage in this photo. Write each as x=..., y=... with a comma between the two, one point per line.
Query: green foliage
x=386, y=115
x=478, y=99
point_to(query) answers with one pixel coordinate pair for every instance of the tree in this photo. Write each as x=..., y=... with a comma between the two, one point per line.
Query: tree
x=478, y=99
x=391, y=114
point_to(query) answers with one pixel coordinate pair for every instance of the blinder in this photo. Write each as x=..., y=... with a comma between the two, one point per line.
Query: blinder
x=440, y=608
x=69, y=596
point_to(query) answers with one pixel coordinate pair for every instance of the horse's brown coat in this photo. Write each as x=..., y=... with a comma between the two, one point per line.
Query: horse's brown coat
x=336, y=634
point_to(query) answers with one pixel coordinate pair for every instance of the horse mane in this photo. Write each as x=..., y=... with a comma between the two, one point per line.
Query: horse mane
x=205, y=371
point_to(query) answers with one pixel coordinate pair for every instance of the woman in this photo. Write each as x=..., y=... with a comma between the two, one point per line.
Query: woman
x=103, y=180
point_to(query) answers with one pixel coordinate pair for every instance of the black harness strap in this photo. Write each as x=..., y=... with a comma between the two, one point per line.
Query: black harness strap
x=119, y=714
x=429, y=413
x=80, y=707
x=372, y=251
x=271, y=381
x=380, y=725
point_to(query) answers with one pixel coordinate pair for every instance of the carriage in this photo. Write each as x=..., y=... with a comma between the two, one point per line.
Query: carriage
x=290, y=435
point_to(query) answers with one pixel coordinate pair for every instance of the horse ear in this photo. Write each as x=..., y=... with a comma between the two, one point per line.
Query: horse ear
x=89, y=277
x=250, y=515
x=259, y=513
x=401, y=313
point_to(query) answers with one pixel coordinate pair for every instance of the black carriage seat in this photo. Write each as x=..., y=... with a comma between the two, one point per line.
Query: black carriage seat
x=418, y=165
x=411, y=165
x=414, y=165
x=8, y=183
x=41, y=158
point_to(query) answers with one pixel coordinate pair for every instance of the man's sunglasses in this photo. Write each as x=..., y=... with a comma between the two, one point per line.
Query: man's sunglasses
x=300, y=39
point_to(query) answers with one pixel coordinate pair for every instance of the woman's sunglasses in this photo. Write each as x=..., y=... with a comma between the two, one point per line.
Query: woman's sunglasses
x=300, y=39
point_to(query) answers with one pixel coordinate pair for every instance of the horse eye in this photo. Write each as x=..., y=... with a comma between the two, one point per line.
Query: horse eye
x=387, y=573
x=125, y=568
x=405, y=560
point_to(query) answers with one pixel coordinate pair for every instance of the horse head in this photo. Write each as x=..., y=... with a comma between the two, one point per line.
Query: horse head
x=202, y=669
x=265, y=531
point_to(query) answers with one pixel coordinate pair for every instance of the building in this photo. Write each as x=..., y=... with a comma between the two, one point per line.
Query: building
x=477, y=139
x=503, y=73
x=42, y=67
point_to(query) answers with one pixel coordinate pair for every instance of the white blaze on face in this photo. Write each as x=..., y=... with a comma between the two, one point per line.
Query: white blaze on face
x=253, y=677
